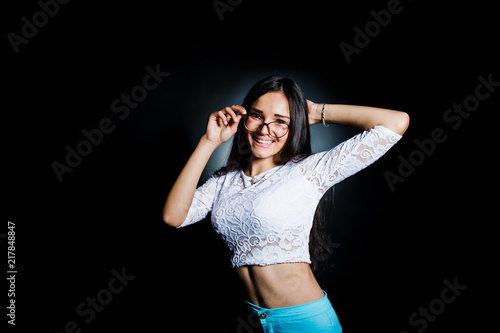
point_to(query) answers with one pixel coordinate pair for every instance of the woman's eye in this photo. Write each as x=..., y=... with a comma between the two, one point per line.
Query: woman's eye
x=281, y=122
x=255, y=115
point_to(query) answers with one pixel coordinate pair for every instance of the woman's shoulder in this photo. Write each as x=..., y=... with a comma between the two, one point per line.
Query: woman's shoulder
x=305, y=162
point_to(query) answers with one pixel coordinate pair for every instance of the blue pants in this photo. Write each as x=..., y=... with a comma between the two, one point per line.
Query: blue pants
x=318, y=317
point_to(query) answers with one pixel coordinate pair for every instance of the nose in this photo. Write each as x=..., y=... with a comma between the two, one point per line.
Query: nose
x=261, y=129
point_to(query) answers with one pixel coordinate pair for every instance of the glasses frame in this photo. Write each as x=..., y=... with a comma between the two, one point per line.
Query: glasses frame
x=267, y=125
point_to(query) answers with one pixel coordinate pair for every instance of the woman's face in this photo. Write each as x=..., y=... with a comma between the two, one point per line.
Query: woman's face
x=270, y=107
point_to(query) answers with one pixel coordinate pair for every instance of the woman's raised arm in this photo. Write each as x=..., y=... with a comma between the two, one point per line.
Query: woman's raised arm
x=362, y=117
x=221, y=126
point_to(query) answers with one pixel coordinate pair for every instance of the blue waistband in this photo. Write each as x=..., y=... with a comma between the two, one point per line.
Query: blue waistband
x=297, y=312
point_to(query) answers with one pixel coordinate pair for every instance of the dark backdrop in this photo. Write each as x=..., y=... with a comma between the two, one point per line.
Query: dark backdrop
x=394, y=248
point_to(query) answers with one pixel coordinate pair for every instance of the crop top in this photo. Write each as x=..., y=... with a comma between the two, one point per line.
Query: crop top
x=267, y=219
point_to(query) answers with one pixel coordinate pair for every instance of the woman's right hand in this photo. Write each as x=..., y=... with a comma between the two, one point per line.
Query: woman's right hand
x=223, y=124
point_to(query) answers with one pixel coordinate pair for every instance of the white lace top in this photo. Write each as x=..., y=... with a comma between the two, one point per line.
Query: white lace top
x=267, y=220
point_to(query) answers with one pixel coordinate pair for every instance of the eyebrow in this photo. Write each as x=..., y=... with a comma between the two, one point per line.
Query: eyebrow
x=276, y=114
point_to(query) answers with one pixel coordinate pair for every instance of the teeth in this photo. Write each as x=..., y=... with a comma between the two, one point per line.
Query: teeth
x=263, y=142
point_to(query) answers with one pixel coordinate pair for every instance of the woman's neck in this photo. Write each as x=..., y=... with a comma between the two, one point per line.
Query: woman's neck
x=260, y=165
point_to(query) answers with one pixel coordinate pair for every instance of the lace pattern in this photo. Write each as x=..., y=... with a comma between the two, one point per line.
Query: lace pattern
x=269, y=221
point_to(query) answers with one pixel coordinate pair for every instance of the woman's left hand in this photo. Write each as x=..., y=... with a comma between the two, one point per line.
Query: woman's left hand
x=314, y=112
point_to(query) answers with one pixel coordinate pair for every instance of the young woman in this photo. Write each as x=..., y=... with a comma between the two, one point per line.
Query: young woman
x=263, y=202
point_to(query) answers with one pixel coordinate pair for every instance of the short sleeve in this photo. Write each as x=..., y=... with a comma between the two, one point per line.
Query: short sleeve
x=328, y=168
x=202, y=202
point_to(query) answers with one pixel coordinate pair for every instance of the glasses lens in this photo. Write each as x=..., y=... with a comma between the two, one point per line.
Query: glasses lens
x=253, y=123
x=277, y=129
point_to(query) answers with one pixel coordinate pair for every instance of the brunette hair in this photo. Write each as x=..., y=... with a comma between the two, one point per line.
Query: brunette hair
x=297, y=147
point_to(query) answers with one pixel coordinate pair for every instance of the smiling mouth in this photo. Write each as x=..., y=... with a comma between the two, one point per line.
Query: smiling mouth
x=262, y=143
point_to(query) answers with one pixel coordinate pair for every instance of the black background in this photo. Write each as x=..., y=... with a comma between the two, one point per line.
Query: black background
x=396, y=247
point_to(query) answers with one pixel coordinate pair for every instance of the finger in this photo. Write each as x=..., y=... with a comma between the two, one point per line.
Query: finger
x=218, y=119
x=238, y=109
x=214, y=117
x=222, y=116
x=232, y=114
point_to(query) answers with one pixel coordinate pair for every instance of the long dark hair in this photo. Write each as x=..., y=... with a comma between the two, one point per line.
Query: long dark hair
x=297, y=147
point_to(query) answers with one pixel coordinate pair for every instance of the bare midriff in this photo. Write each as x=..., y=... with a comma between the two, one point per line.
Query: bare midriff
x=280, y=285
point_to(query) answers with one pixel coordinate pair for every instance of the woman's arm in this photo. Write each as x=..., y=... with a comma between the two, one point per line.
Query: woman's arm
x=362, y=117
x=220, y=127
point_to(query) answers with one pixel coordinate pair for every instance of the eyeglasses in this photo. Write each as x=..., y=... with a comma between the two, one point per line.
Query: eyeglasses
x=277, y=129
